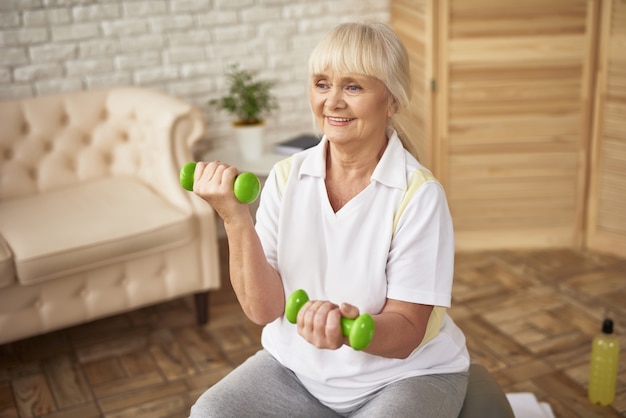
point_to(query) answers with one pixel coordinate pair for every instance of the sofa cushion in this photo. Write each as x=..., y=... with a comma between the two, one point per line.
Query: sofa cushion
x=66, y=231
x=7, y=272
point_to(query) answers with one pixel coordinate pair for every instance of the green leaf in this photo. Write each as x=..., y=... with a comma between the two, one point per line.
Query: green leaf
x=248, y=99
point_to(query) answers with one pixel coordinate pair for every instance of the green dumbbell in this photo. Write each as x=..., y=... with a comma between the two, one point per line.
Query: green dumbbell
x=246, y=188
x=359, y=331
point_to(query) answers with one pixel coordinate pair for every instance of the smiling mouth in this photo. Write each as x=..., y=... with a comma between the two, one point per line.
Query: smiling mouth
x=339, y=120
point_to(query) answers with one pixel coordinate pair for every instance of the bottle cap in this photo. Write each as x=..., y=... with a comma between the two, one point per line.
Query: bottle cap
x=607, y=326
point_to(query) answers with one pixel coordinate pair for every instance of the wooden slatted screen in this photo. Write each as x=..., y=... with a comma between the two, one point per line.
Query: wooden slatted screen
x=412, y=20
x=513, y=119
x=606, y=225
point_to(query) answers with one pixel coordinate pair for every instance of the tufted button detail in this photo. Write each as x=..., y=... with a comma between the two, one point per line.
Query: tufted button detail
x=32, y=173
x=7, y=154
x=124, y=136
x=38, y=303
x=65, y=119
x=86, y=139
x=47, y=146
x=83, y=292
x=104, y=115
x=25, y=128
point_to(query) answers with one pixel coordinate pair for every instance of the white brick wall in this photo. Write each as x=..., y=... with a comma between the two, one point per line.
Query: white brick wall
x=177, y=46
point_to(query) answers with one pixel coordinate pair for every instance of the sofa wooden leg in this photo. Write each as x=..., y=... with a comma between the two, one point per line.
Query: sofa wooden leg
x=202, y=307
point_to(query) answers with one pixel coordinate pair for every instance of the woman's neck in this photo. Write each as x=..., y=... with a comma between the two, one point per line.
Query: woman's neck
x=347, y=174
x=355, y=162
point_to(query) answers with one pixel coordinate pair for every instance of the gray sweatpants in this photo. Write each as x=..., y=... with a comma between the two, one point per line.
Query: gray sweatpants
x=262, y=387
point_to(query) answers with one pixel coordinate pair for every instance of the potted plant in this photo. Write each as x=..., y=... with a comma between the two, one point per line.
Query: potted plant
x=249, y=100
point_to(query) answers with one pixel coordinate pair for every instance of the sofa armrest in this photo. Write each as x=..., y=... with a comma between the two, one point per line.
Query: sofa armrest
x=161, y=134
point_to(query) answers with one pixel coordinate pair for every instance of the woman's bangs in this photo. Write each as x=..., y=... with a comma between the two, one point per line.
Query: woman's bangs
x=348, y=56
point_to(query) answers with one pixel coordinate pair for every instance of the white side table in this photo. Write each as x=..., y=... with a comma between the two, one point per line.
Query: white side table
x=231, y=156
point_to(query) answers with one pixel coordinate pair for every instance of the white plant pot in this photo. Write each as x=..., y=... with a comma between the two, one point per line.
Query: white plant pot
x=250, y=141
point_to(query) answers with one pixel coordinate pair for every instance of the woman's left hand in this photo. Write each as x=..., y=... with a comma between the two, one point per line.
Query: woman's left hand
x=319, y=322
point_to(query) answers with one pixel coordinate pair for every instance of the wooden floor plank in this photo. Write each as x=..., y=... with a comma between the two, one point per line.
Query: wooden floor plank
x=33, y=396
x=117, y=346
x=493, y=341
x=8, y=409
x=128, y=384
x=104, y=370
x=172, y=360
x=169, y=406
x=203, y=351
x=129, y=399
x=67, y=381
x=88, y=410
x=137, y=363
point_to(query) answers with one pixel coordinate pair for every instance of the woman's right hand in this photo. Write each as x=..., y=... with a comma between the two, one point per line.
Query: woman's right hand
x=213, y=182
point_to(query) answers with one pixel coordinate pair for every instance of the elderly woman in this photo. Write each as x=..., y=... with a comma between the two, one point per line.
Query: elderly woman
x=362, y=226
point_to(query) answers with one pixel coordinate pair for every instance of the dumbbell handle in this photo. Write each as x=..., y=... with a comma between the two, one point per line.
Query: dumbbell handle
x=359, y=331
x=246, y=187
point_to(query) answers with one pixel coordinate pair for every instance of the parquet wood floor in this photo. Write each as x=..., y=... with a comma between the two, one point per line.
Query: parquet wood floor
x=529, y=317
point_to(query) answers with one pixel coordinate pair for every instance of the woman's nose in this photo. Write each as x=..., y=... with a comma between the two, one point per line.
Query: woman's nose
x=334, y=99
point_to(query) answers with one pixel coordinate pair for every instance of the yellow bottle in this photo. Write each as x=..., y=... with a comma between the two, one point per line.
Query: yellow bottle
x=604, y=362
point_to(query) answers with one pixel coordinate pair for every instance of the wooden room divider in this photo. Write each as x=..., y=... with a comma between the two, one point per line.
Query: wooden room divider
x=606, y=227
x=505, y=94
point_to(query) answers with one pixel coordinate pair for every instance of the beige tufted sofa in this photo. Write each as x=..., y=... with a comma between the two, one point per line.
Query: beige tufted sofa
x=93, y=220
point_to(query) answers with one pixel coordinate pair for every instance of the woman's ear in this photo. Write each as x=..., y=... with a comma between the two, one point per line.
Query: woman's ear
x=392, y=108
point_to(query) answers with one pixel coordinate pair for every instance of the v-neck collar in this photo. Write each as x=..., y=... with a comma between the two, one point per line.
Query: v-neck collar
x=390, y=170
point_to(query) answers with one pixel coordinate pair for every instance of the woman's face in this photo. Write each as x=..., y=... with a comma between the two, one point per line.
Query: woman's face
x=350, y=107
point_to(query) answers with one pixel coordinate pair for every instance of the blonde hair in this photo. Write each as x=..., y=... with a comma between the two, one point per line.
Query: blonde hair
x=374, y=50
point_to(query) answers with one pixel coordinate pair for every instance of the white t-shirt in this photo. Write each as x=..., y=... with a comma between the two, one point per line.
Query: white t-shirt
x=355, y=256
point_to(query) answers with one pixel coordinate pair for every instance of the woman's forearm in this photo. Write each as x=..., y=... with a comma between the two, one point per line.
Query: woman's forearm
x=399, y=329
x=256, y=283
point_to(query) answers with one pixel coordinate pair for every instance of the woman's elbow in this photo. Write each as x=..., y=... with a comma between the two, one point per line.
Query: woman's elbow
x=263, y=316
x=404, y=352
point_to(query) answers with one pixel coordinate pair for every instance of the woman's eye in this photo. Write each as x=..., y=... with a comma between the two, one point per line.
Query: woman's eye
x=321, y=85
x=353, y=88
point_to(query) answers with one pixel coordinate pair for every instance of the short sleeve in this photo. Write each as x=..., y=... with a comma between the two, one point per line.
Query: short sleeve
x=267, y=217
x=420, y=265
